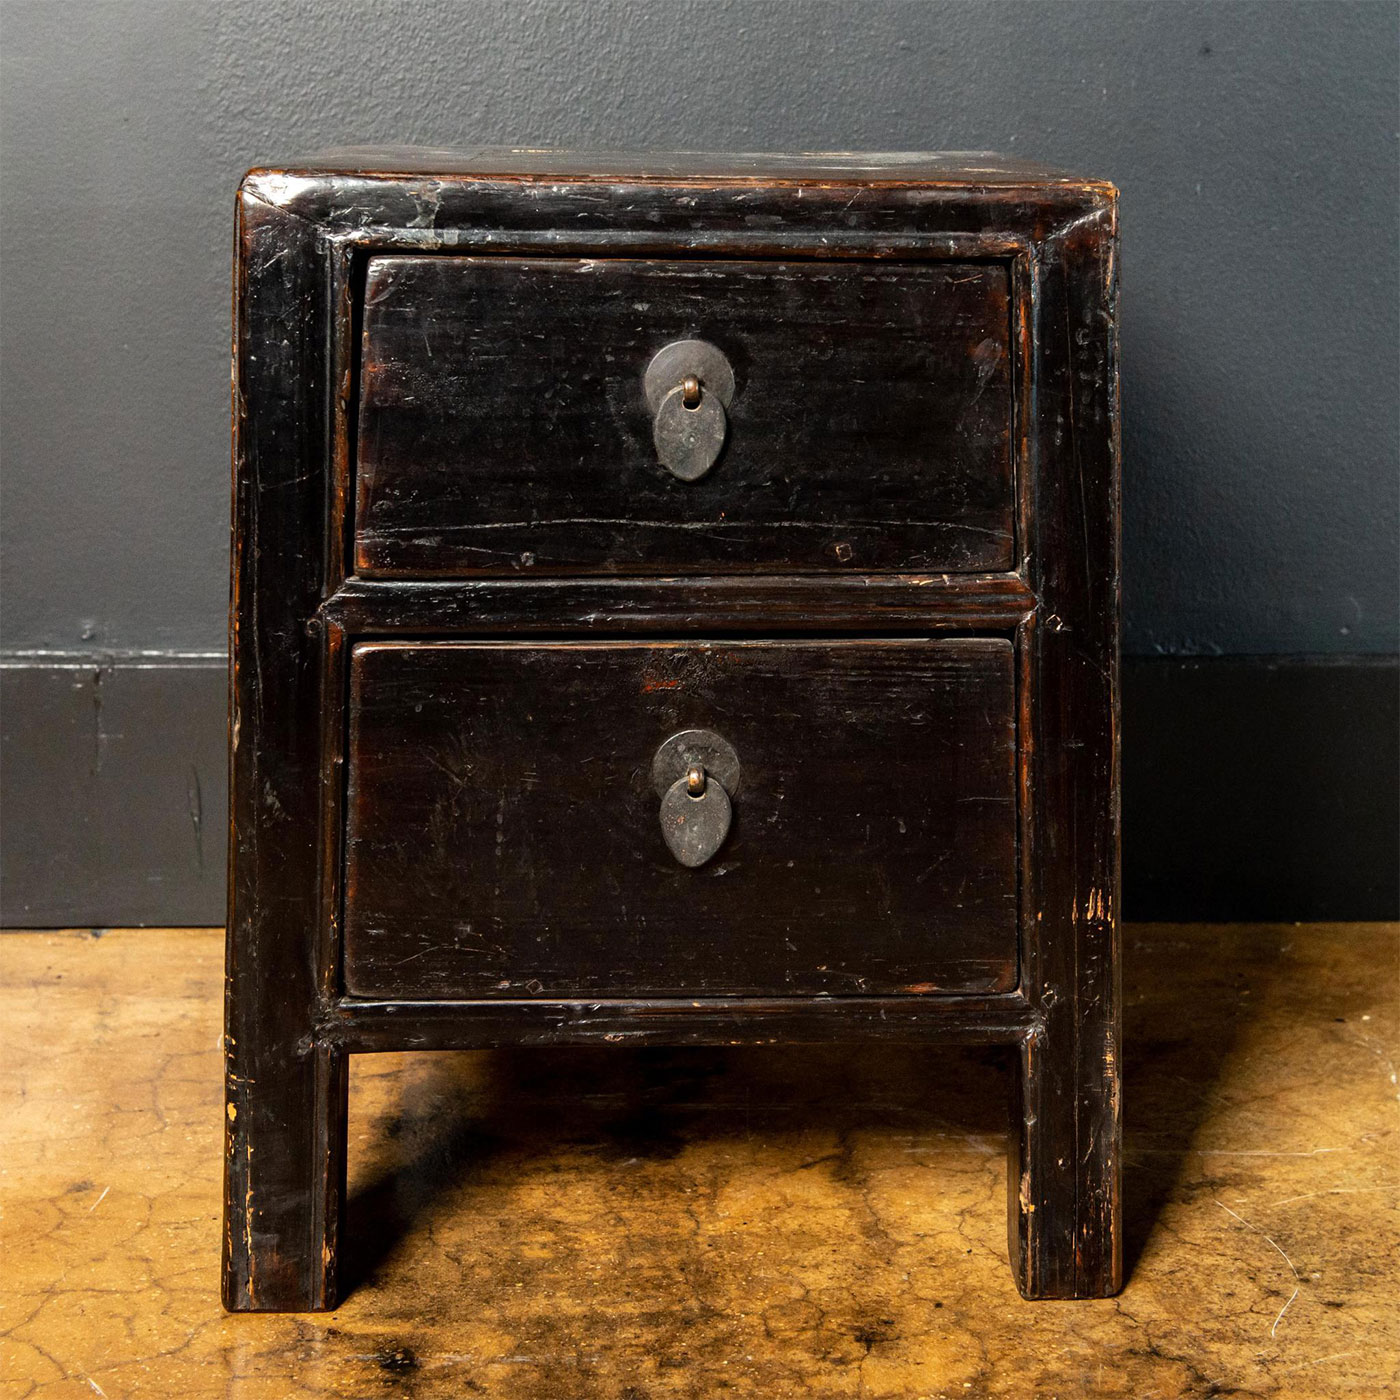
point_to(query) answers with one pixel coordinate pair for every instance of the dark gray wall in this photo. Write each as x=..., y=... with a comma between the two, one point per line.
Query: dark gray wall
x=1255, y=146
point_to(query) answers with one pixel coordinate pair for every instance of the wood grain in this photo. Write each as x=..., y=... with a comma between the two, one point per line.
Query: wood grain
x=503, y=840
x=503, y=425
x=754, y=1222
x=796, y=251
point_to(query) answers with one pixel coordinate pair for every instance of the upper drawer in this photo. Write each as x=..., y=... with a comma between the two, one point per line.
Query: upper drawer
x=503, y=424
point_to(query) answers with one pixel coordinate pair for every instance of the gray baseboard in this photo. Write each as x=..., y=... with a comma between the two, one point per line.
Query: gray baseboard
x=113, y=791
x=1253, y=788
x=1261, y=788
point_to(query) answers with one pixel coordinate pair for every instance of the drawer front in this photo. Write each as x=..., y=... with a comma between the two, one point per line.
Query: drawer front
x=503, y=424
x=504, y=835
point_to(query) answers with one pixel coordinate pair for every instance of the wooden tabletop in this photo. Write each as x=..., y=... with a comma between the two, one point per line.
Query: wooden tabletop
x=757, y=1223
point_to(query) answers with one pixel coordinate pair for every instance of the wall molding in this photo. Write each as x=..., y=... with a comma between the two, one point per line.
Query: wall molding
x=1253, y=788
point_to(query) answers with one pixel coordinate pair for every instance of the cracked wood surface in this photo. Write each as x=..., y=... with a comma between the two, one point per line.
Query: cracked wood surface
x=687, y=1223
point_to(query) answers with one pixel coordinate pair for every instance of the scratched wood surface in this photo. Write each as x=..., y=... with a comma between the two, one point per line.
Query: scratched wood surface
x=647, y=1224
x=503, y=837
x=503, y=424
x=812, y=168
x=309, y=250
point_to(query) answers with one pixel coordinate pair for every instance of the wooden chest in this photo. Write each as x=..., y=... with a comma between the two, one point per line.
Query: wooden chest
x=674, y=600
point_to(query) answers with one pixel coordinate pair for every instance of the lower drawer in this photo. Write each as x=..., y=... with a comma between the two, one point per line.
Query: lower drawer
x=503, y=833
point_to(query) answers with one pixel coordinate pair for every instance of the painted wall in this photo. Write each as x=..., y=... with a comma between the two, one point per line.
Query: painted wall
x=1255, y=146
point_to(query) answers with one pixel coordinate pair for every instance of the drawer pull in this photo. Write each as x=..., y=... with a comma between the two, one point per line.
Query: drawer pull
x=695, y=823
x=689, y=384
x=688, y=773
x=688, y=440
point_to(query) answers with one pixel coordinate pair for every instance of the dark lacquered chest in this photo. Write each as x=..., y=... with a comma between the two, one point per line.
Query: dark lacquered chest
x=674, y=601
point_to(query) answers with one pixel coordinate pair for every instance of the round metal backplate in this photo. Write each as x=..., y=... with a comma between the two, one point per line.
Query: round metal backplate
x=673, y=362
x=703, y=746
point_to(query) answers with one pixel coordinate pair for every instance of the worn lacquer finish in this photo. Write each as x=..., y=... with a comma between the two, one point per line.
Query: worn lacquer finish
x=969, y=511
x=512, y=849
x=504, y=425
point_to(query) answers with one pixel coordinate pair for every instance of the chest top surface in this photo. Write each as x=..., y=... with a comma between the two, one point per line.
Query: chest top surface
x=955, y=167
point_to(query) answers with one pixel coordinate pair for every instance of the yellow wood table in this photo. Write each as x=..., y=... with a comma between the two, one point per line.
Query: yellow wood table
x=640, y=1224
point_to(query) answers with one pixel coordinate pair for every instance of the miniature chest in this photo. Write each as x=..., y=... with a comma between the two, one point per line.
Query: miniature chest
x=674, y=601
